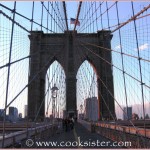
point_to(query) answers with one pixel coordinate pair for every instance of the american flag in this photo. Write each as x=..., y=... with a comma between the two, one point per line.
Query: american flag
x=73, y=21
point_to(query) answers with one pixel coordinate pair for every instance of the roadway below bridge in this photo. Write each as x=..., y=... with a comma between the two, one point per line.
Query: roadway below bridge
x=79, y=137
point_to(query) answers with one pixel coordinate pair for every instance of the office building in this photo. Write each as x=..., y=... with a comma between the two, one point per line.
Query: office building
x=25, y=111
x=13, y=113
x=91, y=109
x=127, y=114
x=1, y=112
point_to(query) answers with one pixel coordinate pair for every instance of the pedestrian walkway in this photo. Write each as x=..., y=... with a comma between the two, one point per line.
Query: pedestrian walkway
x=80, y=137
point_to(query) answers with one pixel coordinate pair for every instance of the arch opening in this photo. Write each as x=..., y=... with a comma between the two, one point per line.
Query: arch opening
x=87, y=92
x=55, y=105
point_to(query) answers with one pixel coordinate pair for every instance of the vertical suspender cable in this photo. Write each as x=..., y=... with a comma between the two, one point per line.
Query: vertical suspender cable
x=47, y=15
x=64, y=6
x=8, y=73
x=51, y=17
x=108, y=15
x=122, y=61
x=32, y=16
x=101, y=15
x=96, y=18
x=42, y=15
x=140, y=67
x=78, y=13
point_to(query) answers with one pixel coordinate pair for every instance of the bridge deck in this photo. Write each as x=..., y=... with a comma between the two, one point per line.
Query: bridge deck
x=80, y=135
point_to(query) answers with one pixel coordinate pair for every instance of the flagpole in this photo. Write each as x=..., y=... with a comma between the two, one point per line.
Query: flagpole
x=70, y=24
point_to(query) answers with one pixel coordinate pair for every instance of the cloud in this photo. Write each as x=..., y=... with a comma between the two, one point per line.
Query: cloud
x=118, y=47
x=143, y=47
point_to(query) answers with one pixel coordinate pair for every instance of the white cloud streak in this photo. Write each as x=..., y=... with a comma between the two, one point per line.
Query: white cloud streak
x=144, y=46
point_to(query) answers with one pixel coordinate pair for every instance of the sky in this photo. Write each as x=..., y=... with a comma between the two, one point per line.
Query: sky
x=21, y=46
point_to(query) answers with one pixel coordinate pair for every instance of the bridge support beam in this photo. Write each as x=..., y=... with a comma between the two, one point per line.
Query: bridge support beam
x=71, y=97
x=105, y=80
x=36, y=90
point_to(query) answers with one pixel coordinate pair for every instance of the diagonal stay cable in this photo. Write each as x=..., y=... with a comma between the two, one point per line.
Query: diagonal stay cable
x=99, y=92
x=51, y=14
x=8, y=72
x=25, y=17
x=117, y=103
x=48, y=102
x=33, y=125
x=136, y=128
x=132, y=18
x=99, y=16
x=44, y=96
x=64, y=7
x=108, y=49
x=15, y=22
x=135, y=17
x=101, y=97
x=8, y=64
x=36, y=75
x=116, y=25
x=78, y=13
x=115, y=66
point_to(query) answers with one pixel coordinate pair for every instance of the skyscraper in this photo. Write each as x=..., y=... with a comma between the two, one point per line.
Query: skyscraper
x=1, y=114
x=13, y=113
x=25, y=111
x=91, y=109
x=127, y=114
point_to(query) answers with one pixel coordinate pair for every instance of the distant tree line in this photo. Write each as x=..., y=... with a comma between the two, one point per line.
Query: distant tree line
x=136, y=117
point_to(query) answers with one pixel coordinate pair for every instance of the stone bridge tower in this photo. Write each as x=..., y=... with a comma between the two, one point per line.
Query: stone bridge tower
x=70, y=49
